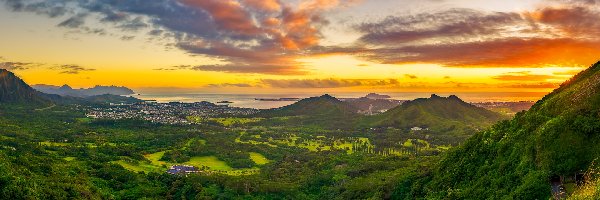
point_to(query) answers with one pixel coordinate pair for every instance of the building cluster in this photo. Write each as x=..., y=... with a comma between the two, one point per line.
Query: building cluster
x=182, y=169
x=416, y=128
x=166, y=113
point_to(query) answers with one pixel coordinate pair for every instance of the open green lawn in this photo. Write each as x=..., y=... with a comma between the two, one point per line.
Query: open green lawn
x=56, y=144
x=191, y=141
x=139, y=166
x=253, y=142
x=258, y=158
x=64, y=144
x=195, y=119
x=411, y=142
x=69, y=158
x=214, y=164
x=155, y=158
x=211, y=162
x=234, y=120
x=83, y=120
x=311, y=145
x=228, y=121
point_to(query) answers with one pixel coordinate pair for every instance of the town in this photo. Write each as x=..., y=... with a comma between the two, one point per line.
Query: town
x=166, y=113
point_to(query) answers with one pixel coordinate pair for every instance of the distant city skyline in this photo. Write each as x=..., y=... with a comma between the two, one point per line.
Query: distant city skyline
x=262, y=46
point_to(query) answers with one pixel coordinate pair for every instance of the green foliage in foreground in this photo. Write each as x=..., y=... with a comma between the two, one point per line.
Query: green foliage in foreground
x=515, y=159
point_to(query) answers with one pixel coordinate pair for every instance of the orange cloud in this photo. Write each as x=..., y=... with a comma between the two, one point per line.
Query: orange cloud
x=567, y=73
x=574, y=21
x=523, y=76
x=325, y=4
x=508, y=52
x=228, y=15
x=266, y=5
x=328, y=83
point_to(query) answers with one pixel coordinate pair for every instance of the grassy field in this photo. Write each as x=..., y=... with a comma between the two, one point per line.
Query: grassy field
x=83, y=120
x=54, y=144
x=64, y=144
x=139, y=166
x=154, y=158
x=216, y=165
x=238, y=140
x=228, y=121
x=69, y=158
x=410, y=143
x=190, y=142
x=311, y=145
x=258, y=158
x=234, y=120
x=212, y=162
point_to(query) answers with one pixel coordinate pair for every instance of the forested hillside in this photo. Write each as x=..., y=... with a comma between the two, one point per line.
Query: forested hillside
x=448, y=115
x=558, y=136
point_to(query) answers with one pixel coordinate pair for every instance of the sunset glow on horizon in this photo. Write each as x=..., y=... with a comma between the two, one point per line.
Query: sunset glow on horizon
x=261, y=46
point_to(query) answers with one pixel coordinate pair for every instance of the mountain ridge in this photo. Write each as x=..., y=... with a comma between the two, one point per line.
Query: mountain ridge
x=13, y=90
x=441, y=114
x=66, y=90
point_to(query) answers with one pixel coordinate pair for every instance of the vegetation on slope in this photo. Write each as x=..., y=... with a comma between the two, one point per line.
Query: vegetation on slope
x=325, y=111
x=449, y=115
x=515, y=159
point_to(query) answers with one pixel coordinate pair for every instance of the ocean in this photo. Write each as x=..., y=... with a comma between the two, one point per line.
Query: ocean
x=249, y=100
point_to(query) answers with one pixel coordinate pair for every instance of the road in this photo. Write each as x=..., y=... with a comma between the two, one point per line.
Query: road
x=46, y=108
x=558, y=190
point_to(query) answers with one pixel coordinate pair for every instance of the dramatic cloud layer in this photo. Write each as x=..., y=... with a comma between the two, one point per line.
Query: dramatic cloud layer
x=452, y=24
x=269, y=36
x=327, y=83
x=16, y=65
x=252, y=36
x=565, y=35
x=540, y=82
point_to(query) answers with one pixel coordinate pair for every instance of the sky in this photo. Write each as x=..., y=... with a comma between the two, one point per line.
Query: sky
x=271, y=46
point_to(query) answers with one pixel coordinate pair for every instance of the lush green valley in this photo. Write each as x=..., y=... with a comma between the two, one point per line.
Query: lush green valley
x=58, y=153
x=317, y=148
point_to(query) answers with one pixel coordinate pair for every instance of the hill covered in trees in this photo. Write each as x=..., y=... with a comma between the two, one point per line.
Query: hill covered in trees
x=448, y=115
x=558, y=136
x=324, y=110
x=325, y=105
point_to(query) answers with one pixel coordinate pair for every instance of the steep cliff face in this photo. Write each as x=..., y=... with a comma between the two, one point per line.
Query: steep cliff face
x=15, y=90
